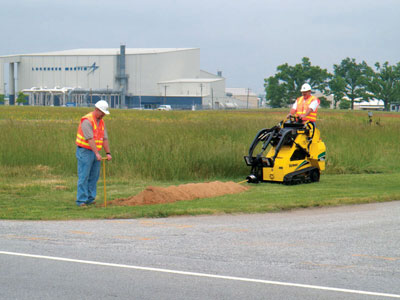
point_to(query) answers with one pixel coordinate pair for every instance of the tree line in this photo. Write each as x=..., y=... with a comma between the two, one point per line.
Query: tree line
x=351, y=82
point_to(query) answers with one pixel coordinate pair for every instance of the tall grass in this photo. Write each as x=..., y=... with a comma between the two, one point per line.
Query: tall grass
x=186, y=145
x=355, y=146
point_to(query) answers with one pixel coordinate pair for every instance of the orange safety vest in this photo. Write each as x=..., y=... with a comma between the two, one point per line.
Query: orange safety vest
x=98, y=133
x=303, y=105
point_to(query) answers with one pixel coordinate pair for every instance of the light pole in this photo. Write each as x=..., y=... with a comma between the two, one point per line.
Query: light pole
x=108, y=97
x=165, y=93
x=248, y=91
x=4, y=96
x=201, y=93
x=212, y=98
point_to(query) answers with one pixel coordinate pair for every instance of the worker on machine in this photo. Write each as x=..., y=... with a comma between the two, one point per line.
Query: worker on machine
x=293, y=151
x=306, y=106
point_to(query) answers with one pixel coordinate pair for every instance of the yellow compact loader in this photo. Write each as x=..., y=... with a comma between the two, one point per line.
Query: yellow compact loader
x=295, y=153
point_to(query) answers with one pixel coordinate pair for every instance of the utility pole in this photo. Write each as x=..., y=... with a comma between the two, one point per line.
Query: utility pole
x=4, y=97
x=248, y=91
x=140, y=97
x=201, y=93
x=212, y=98
x=108, y=97
x=165, y=93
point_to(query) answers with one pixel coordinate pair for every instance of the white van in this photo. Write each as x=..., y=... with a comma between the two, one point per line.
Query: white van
x=164, y=107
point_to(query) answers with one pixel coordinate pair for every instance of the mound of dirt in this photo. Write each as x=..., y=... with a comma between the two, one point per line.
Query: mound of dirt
x=191, y=191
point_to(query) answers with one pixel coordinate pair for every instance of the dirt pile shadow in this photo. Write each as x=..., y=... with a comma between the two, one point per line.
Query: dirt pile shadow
x=190, y=191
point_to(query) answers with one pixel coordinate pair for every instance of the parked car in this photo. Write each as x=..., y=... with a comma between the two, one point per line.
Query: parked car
x=164, y=107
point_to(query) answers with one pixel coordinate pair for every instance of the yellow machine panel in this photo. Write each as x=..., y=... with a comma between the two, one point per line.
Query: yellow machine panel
x=295, y=154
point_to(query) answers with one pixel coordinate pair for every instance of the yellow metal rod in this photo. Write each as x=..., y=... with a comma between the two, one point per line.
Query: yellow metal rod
x=104, y=180
x=240, y=182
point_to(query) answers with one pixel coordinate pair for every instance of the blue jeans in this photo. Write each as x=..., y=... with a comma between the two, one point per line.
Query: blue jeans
x=88, y=174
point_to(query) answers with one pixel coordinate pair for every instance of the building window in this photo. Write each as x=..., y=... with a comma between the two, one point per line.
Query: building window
x=37, y=69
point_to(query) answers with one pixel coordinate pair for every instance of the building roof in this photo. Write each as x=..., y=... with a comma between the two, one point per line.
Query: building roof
x=192, y=80
x=371, y=103
x=103, y=51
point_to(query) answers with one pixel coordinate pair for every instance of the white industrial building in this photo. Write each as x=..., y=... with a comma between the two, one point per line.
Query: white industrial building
x=243, y=96
x=124, y=77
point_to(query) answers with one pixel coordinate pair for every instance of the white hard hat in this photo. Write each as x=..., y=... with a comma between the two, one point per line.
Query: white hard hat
x=103, y=106
x=305, y=88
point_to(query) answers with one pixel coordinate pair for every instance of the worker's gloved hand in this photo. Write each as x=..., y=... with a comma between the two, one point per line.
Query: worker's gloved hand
x=109, y=157
x=98, y=156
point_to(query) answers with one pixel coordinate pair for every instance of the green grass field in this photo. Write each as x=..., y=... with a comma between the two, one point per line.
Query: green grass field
x=38, y=165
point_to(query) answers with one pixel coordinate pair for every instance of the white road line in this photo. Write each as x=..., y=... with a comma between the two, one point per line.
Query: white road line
x=316, y=287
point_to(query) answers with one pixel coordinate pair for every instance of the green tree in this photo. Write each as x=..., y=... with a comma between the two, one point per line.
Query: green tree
x=324, y=103
x=284, y=87
x=337, y=87
x=274, y=92
x=385, y=83
x=355, y=78
x=21, y=98
x=1, y=98
x=344, y=104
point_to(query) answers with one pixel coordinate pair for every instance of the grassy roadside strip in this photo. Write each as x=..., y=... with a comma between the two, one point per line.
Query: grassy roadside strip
x=53, y=198
x=186, y=145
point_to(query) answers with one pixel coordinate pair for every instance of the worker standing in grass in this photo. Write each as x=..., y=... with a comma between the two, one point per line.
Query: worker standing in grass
x=306, y=106
x=90, y=139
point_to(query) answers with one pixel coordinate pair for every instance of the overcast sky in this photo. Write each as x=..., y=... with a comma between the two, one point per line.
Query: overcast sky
x=245, y=39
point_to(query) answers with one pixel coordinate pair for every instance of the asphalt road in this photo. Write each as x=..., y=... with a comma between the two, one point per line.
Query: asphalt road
x=350, y=252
